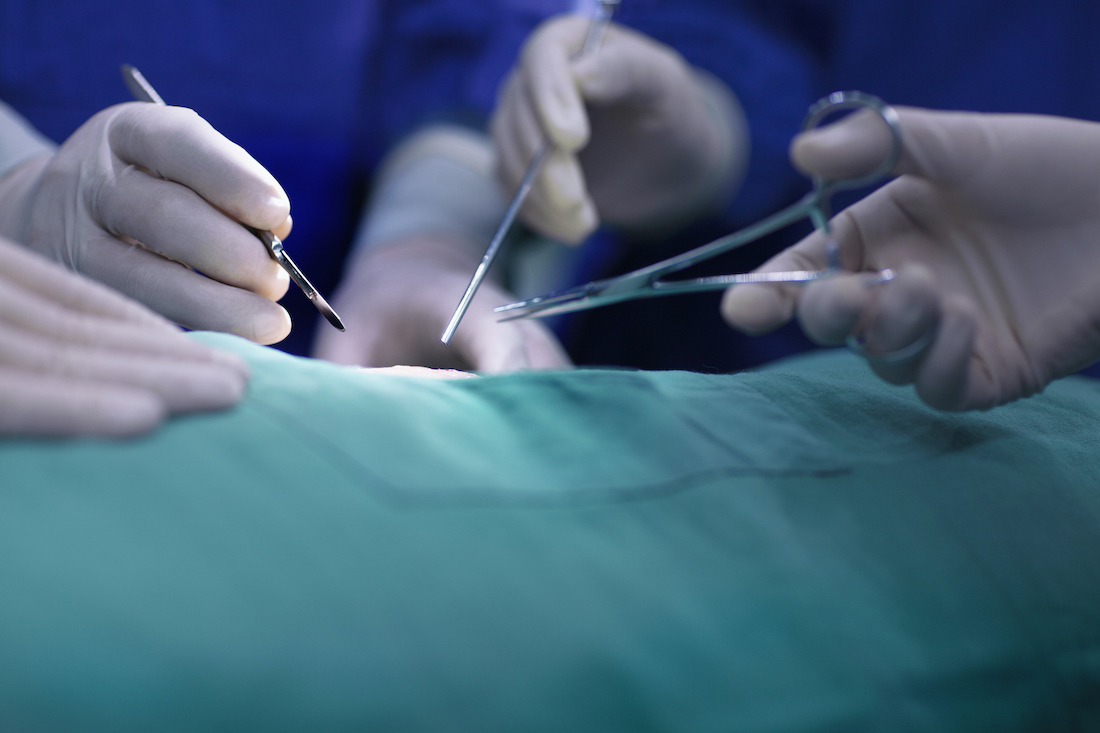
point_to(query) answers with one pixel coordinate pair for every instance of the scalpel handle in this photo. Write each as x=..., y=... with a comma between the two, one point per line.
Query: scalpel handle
x=275, y=249
x=143, y=91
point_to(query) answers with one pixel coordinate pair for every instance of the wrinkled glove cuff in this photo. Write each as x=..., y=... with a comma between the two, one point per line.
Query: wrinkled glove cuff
x=19, y=142
x=438, y=182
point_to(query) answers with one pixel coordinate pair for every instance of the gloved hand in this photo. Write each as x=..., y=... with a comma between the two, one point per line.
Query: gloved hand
x=397, y=298
x=164, y=178
x=77, y=358
x=992, y=229
x=433, y=208
x=642, y=139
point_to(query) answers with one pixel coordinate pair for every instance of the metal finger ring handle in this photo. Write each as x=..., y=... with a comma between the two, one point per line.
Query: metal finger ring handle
x=839, y=101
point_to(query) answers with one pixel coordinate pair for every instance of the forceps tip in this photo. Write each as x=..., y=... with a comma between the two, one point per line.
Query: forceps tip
x=449, y=332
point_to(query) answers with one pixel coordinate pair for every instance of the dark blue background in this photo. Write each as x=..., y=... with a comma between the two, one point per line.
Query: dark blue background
x=318, y=91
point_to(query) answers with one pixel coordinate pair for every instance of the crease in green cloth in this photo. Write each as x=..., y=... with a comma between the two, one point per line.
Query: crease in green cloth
x=299, y=563
x=534, y=437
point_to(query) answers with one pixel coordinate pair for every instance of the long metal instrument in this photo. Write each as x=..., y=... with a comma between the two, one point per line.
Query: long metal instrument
x=143, y=91
x=649, y=282
x=597, y=29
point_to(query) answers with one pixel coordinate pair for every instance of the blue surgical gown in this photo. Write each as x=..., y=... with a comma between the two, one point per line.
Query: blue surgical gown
x=315, y=91
x=1029, y=56
x=318, y=93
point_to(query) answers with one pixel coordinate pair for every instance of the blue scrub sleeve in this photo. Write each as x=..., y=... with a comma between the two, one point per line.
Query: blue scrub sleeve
x=443, y=60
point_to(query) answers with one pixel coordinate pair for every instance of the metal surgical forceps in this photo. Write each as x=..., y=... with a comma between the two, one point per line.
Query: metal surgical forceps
x=648, y=283
x=597, y=29
x=143, y=92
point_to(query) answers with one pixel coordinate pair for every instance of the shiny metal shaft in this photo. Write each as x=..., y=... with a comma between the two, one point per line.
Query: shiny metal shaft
x=597, y=29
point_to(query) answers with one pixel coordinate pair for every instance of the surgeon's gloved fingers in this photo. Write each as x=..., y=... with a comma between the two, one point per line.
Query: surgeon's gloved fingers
x=42, y=405
x=561, y=188
x=184, y=296
x=176, y=144
x=630, y=69
x=758, y=308
x=850, y=148
x=283, y=230
x=511, y=150
x=395, y=314
x=492, y=351
x=520, y=125
x=51, y=282
x=183, y=386
x=951, y=376
x=830, y=309
x=545, y=69
x=559, y=206
x=941, y=146
x=903, y=313
x=31, y=312
x=176, y=222
x=512, y=346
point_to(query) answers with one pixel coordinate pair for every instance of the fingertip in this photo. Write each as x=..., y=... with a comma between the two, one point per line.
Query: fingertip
x=587, y=222
x=571, y=227
x=562, y=183
x=829, y=309
x=266, y=206
x=549, y=81
x=274, y=213
x=279, y=282
x=282, y=231
x=270, y=280
x=559, y=206
x=230, y=361
x=248, y=191
x=946, y=379
x=756, y=309
x=269, y=326
x=907, y=308
x=805, y=152
x=852, y=147
x=200, y=387
x=123, y=413
x=224, y=388
x=565, y=120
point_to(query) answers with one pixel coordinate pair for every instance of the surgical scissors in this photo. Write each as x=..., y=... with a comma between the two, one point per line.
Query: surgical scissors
x=143, y=91
x=647, y=282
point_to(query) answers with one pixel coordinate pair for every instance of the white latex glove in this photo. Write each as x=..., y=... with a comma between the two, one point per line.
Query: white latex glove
x=161, y=176
x=77, y=358
x=397, y=298
x=993, y=228
x=433, y=210
x=642, y=139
